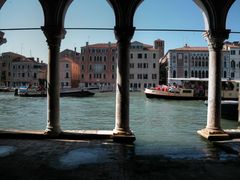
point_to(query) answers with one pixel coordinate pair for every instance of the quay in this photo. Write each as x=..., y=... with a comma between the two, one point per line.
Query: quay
x=29, y=155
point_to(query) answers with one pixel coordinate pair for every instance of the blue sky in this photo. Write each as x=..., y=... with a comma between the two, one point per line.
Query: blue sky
x=174, y=14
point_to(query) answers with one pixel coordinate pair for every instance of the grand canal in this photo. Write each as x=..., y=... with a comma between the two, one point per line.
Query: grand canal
x=161, y=126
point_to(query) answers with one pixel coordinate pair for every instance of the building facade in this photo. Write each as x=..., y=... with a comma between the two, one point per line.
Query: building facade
x=98, y=65
x=144, y=66
x=191, y=62
x=17, y=70
x=234, y=54
x=69, y=69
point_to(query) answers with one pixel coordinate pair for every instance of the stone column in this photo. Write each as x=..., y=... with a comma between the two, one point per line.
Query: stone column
x=53, y=88
x=54, y=15
x=215, y=43
x=123, y=37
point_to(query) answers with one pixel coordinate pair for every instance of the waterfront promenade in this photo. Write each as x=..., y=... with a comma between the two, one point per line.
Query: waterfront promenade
x=102, y=159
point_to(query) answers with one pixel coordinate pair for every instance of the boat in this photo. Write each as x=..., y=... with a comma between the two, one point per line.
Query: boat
x=25, y=91
x=6, y=89
x=191, y=89
x=169, y=92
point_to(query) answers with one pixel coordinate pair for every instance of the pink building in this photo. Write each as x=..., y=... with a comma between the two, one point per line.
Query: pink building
x=69, y=69
x=97, y=66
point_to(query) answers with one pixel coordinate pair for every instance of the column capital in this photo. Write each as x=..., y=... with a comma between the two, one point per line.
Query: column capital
x=124, y=33
x=54, y=35
x=215, y=38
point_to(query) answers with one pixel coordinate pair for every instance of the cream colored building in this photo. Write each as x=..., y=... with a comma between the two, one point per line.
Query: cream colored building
x=144, y=65
x=234, y=55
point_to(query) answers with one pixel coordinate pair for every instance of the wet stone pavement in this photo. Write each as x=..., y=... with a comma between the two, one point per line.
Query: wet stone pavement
x=101, y=159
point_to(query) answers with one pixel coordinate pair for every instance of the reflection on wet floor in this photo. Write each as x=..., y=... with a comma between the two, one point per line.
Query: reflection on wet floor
x=6, y=150
x=81, y=156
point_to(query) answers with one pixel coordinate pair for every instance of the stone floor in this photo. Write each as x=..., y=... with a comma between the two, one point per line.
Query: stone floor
x=103, y=159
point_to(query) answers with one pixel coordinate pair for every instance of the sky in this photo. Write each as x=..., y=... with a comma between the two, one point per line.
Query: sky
x=163, y=14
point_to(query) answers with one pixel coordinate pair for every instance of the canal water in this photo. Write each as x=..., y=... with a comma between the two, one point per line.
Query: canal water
x=161, y=127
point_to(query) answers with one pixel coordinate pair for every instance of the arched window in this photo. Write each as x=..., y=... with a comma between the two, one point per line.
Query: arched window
x=67, y=75
x=203, y=74
x=232, y=64
x=196, y=74
x=192, y=74
x=206, y=74
x=224, y=74
x=174, y=74
x=200, y=74
x=185, y=74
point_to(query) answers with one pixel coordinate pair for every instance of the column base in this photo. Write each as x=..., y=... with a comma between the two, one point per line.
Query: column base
x=120, y=135
x=52, y=133
x=213, y=135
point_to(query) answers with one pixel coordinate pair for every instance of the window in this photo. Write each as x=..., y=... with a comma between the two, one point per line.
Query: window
x=82, y=67
x=67, y=75
x=131, y=76
x=154, y=76
x=232, y=64
x=174, y=74
x=139, y=56
x=154, y=65
x=145, y=56
x=131, y=65
x=225, y=64
x=233, y=52
x=82, y=58
x=196, y=74
x=139, y=65
x=154, y=55
x=145, y=76
x=139, y=76
x=185, y=74
x=131, y=56
x=224, y=74
x=232, y=75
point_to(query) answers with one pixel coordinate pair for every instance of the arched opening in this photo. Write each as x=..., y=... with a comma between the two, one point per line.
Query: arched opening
x=23, y=59
x=96, y=54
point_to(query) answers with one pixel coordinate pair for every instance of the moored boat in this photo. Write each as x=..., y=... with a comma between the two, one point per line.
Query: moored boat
x=25, y=91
